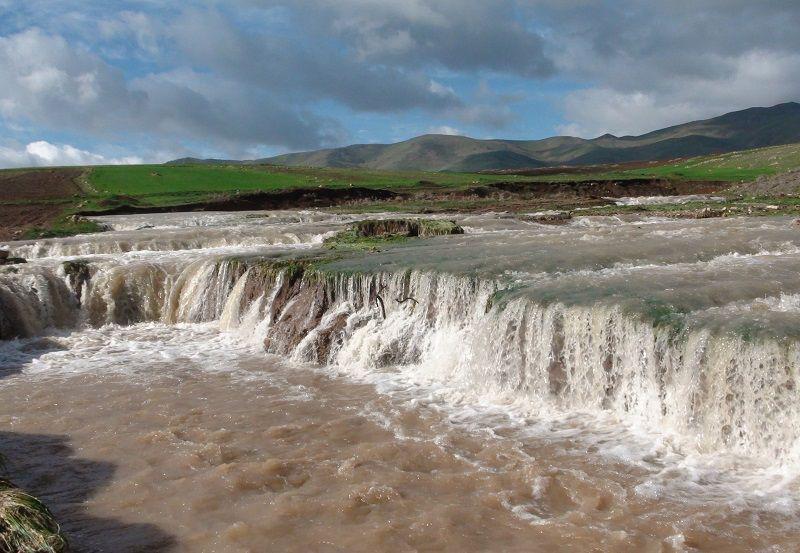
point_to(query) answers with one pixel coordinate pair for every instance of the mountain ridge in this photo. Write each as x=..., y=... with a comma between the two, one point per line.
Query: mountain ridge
x=738, y=130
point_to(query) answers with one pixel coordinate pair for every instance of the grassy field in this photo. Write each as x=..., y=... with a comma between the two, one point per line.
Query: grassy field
x=156, y=180
x=159, y=184
x=747, y=165
x=41, y=201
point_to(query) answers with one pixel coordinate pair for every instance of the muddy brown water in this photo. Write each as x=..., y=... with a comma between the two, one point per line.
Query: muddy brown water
x=180, y=433
x=173, y=450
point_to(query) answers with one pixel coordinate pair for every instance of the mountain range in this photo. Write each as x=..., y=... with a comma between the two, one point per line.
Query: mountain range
x=739, y=130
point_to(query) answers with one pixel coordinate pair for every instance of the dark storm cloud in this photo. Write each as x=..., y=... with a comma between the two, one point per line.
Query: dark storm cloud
x=460, y=35
x=48, y=82
x=247, y=74
x=652, y=63
x=305, y=69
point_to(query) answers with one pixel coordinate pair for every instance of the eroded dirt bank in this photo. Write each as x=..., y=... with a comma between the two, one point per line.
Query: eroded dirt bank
x=284, y=199
x=35, y=198
x=498, y=196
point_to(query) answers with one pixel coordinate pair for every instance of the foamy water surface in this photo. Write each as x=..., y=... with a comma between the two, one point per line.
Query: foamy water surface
x=615, y=384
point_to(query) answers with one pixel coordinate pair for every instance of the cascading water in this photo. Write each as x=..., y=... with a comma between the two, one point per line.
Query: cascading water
x=713, y=391
x=690, y=340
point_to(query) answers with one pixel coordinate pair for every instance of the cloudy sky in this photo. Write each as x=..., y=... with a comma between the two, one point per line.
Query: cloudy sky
x=90, y=81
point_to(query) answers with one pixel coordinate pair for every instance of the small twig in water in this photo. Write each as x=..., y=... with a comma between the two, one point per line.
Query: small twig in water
x=404, y=300
x=379, y=300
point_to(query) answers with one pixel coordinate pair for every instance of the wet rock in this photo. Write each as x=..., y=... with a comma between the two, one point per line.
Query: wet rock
x=297, y=309
x=406, y=227
x=707, y=213
x=703, y=213
x=554, y=218
x=4, y=255
x=78, y=274
x=11, y=260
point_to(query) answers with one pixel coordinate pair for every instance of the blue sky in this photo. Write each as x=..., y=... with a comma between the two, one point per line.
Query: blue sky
x=116, y=82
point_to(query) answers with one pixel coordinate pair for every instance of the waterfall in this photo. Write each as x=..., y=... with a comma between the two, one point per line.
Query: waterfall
x=33, y=300
x=715, y=390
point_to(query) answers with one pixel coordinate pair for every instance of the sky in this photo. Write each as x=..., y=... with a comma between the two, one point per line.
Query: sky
x=92, y=82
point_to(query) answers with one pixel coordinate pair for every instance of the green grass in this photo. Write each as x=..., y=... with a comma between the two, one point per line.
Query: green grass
x=735, y=166
x=351, y=241
x=63, y=227
x=180, y=184
x=107, y=187
x=26, y=524
x=159, y=182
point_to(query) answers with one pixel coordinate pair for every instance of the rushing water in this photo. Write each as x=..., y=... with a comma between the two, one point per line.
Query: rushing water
x=607, y=385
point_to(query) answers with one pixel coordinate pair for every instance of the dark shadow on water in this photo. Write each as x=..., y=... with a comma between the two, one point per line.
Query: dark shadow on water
x=46, y=466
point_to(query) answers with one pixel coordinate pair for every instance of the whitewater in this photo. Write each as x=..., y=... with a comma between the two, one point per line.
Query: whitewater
x=223, y=382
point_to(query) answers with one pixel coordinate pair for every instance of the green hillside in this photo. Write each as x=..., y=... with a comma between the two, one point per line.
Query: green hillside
x=159, y=183
x=750, y=128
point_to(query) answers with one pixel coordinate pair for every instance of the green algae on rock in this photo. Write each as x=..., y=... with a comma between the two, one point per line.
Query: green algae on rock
x=370, y=234
x=406, y=227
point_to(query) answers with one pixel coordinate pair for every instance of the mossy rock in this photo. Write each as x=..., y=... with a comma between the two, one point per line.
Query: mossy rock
x=77, y=269
x=371, y=234
x=405, y=227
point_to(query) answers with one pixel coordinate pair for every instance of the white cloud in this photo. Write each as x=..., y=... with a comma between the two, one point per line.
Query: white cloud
x=44, y=154
x=652, y=64
x=754, y=78
x=444, y=129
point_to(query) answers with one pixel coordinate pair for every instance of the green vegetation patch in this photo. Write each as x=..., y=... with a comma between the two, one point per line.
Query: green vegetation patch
x=65, y=226
x=372, y=234
x=745, y=165
x=26, y=524
x=664, y=315
x=351, y=240
x=406, y=227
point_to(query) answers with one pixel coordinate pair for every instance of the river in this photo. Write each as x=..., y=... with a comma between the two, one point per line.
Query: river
x=613, y=384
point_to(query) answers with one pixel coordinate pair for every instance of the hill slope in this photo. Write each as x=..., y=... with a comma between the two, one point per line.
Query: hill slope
x=750, y=128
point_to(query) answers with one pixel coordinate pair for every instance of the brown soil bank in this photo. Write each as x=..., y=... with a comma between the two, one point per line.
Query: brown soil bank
x=285, y=199
x=503, y=191
x=603, y=188
x=39, y=184
x=15, y=219
x=36, y=185
x=579, y=169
